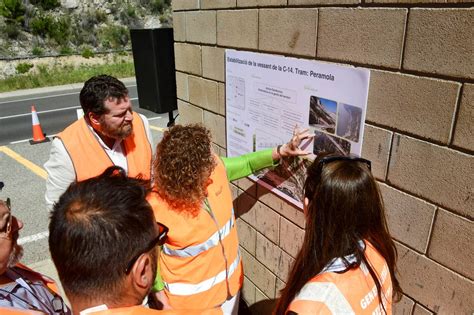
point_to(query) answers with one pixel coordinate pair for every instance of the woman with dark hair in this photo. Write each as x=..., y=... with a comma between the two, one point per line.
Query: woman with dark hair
x=200, y=262
x=347, y=261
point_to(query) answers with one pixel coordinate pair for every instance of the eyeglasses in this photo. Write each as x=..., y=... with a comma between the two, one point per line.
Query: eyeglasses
x=7, y=230
x=328, y=159
x=159, y=240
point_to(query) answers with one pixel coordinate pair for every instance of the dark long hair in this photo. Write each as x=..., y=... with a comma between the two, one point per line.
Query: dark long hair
x=345, y=206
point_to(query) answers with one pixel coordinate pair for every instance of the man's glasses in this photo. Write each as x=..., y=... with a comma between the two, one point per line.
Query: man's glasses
x=6, y=231
x=157, y=241
x=328, y=159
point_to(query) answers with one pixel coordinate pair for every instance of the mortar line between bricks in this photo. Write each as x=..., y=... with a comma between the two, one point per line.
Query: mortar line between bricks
x=430, y=234
x=455, y=117
x=404, y=42
x=362, y=5
x=389, y=160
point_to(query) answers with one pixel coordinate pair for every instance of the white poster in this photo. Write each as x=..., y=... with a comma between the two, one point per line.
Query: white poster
x=268, y=95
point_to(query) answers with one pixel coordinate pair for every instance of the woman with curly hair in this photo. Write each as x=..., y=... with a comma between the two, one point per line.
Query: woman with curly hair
x=200, y=262
x=347, y=261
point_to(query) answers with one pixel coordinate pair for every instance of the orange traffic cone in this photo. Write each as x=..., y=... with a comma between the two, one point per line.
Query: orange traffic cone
x=38, y=135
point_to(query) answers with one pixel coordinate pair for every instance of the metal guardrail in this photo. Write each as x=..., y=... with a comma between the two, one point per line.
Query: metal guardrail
x=104, y=52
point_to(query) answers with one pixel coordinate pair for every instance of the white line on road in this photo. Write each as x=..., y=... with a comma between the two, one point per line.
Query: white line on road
x=44, y=111
x=48, y=96
x=33, y=238
x=154, y=118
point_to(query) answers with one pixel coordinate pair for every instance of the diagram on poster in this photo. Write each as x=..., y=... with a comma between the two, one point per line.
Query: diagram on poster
x=268, y=95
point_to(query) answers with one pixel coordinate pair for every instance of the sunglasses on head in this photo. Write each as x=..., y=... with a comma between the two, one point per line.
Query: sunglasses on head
x=328, y=159
x=157, y=241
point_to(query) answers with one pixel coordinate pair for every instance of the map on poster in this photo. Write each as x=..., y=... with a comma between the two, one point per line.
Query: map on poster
x=267, y=95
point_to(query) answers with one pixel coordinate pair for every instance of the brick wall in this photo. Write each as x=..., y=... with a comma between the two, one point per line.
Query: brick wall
x=419, y=129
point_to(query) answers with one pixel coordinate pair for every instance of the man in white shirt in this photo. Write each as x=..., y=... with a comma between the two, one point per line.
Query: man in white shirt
x=110, y=133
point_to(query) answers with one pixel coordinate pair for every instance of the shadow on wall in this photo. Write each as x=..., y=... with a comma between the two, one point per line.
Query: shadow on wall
x=261, y=308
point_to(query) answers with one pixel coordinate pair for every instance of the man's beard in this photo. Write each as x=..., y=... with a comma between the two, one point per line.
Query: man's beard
x=16, y=255
x=121, y=133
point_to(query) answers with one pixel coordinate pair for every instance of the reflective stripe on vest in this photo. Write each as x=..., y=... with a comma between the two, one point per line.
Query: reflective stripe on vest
x=212, y=241
x=327, y=293
x=188, y=289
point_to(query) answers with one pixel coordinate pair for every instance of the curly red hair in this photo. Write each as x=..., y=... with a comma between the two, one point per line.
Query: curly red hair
x=184, y=161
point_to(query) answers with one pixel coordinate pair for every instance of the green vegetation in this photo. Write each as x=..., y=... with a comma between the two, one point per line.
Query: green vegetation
x=13, y=11
x=59, y=75
x=87, y=53
x=23, y=67
x=37, y=51
x=58, y=29
x=46, y=4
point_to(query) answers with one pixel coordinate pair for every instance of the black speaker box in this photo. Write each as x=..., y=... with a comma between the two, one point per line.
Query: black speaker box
x=153, y=57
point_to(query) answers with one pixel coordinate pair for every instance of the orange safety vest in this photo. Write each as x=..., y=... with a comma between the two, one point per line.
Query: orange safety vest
x=90, y=159
x=16, y=311
x=141, y=310
x=350, y=292
x=200, y=262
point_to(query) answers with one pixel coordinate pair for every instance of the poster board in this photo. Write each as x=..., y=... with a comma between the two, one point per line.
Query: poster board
x=267, y=95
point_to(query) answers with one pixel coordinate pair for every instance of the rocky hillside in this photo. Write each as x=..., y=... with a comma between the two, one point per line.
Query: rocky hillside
x=62, y=27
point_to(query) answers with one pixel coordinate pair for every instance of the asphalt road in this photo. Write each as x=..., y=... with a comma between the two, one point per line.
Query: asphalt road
x=21, y=164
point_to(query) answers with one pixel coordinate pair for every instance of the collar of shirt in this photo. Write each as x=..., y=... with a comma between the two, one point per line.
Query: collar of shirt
x=93, y=309
x=115, y=153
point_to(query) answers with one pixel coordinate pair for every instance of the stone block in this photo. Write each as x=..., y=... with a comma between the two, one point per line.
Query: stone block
x=187, y=58
x=203, y=93
x=248, y=291
x=291, y=237
x=247, y=185
x=440, y=41
x=217, y=4
x=221, y=98
x=295, y=34
x=365, y=36
x=182, y=86
x=246, y=205
x=420, y=310
x=179, y=26
x=409, y=218
x=452, y=242
x=323, y=2
x=273, y=257
x=201, y=27
x=438, y=288
x=289, y=211
x=260, y=3
x=247, y=236
x=261, y=217
x=216, y=124
x=190, y=114
x=464, y=129
x=439, y=174
x=403, y=307
x=263, y=279
x=280, y=285
x=237, y=28
x=213, y=63
x=185, y=5
x=376, y=148
x=420, y=106
x=414, y=1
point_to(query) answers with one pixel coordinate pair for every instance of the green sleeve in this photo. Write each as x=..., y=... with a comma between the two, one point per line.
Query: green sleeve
x=244, y=165
x=158, y=285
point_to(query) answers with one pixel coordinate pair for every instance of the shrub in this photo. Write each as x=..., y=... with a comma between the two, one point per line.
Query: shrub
x=100, y=16
x=41, y=25
x=115, y=36
x=60, y=30
x=23, y=67
x=12, y=10
x=37, y=51
x=158, y=6
x=66, y=50
x=87, y=53
x=12, y=29
x=47, y=4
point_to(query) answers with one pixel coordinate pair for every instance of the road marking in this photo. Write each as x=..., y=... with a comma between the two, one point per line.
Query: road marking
x=44, y=111
x=158, y=128
x=154, y=118
x=29, y=165
x=33, y=238
x=38, y=98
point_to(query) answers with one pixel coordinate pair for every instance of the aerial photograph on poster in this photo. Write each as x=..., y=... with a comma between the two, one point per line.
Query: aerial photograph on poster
x=348, y=122
x=324, y=143
x=322, y=113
